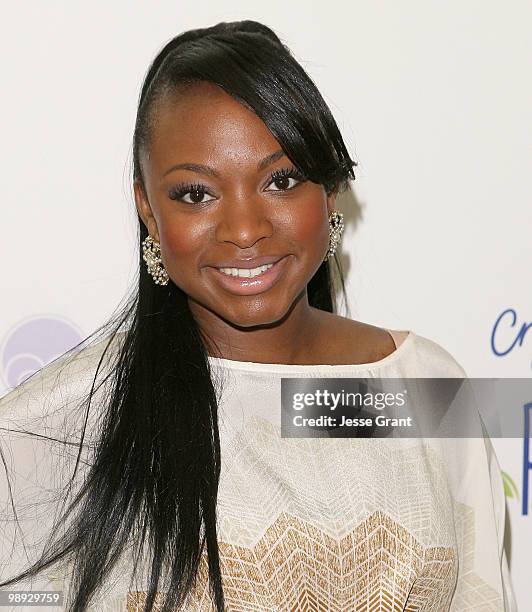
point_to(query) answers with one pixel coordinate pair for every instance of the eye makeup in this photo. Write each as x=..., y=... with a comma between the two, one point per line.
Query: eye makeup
x=199, y=190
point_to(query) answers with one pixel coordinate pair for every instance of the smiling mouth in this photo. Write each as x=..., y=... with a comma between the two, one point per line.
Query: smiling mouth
x=246, y=272
x=250, y=281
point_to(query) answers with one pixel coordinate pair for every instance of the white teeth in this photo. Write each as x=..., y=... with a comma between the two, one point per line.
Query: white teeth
x=245, y=272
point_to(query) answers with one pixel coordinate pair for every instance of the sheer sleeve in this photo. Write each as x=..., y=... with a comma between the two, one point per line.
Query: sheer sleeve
x=499, y=507
x=41, y=426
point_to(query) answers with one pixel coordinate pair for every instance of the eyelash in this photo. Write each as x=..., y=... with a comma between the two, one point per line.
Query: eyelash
x=181, y=189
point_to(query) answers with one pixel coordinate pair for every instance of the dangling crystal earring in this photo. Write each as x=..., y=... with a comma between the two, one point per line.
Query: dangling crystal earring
x=336, y=227
x=152, y=256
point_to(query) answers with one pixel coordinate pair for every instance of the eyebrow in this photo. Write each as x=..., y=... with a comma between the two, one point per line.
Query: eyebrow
x=202, y=169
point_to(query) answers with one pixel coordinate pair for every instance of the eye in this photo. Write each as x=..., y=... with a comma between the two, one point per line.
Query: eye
x=194, y=192
x=286, y=179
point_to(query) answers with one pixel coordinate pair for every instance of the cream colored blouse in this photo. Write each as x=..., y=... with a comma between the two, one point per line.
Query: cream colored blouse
x=305, y=524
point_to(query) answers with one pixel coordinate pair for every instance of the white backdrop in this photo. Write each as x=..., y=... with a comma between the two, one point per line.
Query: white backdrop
x=433, y=100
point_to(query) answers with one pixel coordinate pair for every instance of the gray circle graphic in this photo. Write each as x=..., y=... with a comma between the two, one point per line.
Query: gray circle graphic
x=33, y=343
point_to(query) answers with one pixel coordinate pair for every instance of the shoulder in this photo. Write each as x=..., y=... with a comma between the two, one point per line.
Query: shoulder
x=66, y=378
x=431, y=359
x=340, y=340
x=415, y=356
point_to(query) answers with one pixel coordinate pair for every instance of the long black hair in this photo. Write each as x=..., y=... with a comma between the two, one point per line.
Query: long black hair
x=155, y=471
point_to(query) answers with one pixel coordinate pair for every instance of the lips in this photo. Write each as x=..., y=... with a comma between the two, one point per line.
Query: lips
x=250, y=285
x=248, y=263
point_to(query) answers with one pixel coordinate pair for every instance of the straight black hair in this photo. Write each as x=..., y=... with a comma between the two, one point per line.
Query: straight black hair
x=156, y=467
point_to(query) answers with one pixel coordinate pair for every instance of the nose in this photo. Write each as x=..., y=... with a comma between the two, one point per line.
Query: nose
x=243, y=221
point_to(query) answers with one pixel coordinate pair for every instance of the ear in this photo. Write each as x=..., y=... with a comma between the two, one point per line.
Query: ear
x=331, y=201
x=144, y=210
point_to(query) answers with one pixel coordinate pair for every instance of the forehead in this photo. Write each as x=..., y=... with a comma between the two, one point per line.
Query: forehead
x=205, y=124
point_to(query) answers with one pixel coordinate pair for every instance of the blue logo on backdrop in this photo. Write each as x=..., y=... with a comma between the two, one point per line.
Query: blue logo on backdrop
x=527, y=464
x=507, y=318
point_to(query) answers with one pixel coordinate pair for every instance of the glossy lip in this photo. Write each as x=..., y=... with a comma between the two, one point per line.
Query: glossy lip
x=249, y=263
x=250, y=286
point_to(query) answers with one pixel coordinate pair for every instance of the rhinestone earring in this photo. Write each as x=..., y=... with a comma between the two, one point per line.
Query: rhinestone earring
x=336, y=227
x=152, y=256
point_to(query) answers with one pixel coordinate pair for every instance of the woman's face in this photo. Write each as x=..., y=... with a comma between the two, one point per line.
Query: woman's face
x=219, y=188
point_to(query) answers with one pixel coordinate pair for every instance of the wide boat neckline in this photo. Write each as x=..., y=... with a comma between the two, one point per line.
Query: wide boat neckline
x=289, y=367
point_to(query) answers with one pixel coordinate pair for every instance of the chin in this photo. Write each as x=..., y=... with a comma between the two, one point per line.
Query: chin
x=260, y=314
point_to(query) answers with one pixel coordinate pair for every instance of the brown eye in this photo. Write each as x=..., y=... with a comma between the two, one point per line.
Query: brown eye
x=194, y=193
x=285, y=179
x=196, y=196
x=283, y=182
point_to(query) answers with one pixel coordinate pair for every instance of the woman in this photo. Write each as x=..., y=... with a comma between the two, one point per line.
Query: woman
x=180, y=477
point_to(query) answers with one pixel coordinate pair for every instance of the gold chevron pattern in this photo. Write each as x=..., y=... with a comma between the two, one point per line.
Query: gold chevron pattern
x=296, y=567
x=379, y=567
x=299, y=532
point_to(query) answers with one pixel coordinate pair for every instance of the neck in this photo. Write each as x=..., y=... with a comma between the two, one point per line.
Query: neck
x=288, y=339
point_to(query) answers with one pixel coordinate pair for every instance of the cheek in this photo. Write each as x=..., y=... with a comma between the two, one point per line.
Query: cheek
x=309, y=223
x=181, y=240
